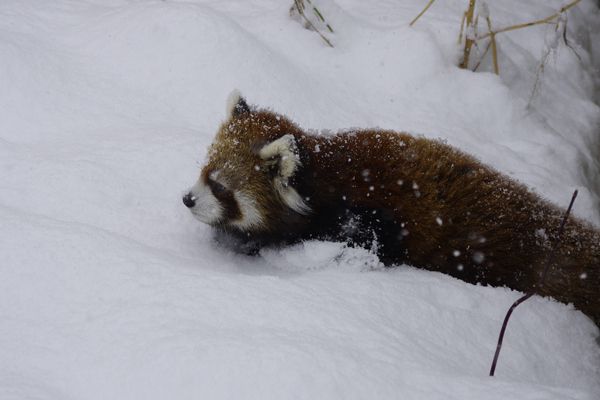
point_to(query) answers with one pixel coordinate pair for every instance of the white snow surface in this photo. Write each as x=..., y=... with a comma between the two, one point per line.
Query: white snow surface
x=111, y=290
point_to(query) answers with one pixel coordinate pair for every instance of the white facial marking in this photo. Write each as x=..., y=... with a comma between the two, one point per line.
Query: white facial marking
x=206, y=208
x=292, y=199
x=251, y=216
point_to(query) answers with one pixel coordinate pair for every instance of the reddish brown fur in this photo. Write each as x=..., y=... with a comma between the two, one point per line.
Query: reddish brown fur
x=431, y=206
x=482, y=213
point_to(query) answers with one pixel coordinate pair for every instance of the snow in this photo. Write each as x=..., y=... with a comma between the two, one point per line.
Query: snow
x=111, y=289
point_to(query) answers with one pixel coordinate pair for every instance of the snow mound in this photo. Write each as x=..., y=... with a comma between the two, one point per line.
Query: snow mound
x=110, y=289
x=316, y=255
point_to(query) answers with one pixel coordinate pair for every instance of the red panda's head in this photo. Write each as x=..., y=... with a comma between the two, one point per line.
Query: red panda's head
x=246, y=184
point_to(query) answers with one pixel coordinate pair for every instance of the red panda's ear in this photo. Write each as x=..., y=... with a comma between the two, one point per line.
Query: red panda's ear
x=236, y=105
x=283, y=153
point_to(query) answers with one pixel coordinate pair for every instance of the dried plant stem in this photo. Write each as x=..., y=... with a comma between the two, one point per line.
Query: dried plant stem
x=422, y=12
x=481, y=58
x=539, y=71
x=468, y=41
x=537, y=287
x=462, y=25
x=320, y=16
x=494, y=52
x=300, y=8
x=543, y=21
x=467, y=20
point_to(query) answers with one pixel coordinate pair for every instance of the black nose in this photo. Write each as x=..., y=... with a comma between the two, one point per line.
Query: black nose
x=189, y=200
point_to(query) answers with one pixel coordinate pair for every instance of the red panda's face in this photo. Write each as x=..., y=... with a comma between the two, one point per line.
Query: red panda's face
x=245, y=182
x=224, y=194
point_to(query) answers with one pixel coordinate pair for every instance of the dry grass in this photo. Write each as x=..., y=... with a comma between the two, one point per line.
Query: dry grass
x=422, y=12
x=300, y=7
x=469, y=24
x=469, y=40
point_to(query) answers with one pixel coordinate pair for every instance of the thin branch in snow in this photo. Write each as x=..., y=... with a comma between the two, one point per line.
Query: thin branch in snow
x=540, y=71
x=535, y=289
x=551, y=46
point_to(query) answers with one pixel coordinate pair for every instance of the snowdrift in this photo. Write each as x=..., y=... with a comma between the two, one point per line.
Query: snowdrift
x=110, y=289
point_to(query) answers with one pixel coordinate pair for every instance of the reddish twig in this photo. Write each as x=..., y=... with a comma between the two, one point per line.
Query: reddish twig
x=537, y=287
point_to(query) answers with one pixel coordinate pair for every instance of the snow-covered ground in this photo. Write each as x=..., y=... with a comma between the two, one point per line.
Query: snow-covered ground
x=111, y=290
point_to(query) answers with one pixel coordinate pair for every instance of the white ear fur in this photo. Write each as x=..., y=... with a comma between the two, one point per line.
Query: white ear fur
x=286, y=151
x=235, y=105
x=232, y=100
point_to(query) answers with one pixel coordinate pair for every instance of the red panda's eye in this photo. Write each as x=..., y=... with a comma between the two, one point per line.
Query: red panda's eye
x=216, y=187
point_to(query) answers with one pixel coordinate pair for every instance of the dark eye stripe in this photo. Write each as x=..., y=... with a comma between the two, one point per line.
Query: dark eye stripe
x=226, y=199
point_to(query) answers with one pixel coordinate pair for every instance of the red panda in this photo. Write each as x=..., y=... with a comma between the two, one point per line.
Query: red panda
x=423, y=203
